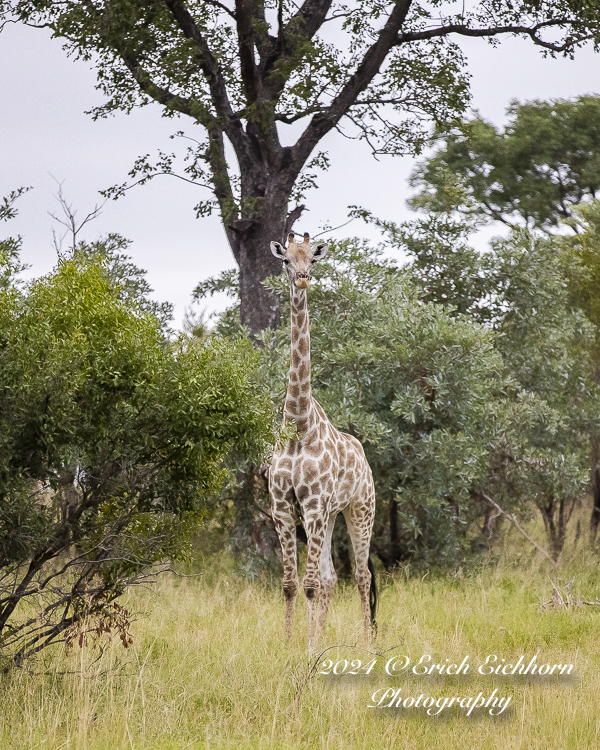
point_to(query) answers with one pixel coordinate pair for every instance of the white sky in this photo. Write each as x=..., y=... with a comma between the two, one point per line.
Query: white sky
x=44, y=133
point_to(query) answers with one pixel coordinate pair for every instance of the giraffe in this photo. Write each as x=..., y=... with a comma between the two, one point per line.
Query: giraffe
x=320, y=474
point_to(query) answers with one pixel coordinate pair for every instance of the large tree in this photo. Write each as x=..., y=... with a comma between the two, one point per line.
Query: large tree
x=541, y=171
x=246, y=71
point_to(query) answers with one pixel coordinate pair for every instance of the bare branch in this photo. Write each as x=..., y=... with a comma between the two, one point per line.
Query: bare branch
x=289, y=119
x=217, y=4
x=333, y=229
x=511, y=517
x=70, y=218
x=293, y=217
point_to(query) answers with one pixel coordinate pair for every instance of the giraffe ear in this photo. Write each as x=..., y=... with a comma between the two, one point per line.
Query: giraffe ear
x=320, y=251
x=277, y=250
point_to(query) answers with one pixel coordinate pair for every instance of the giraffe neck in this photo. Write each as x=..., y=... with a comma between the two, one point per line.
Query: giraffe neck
x=298, y=401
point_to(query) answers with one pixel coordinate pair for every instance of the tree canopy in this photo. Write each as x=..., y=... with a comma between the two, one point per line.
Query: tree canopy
x=269, y=80
x=544, y=162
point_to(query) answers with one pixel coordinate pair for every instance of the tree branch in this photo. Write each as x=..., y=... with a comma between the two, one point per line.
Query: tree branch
x=158, y=93
x=303, y=25
x=531, y=31
x=207, y=61
x=217, y=4
x=323, y=122
x=293, y=217
x=525, y=534
x=245, y=13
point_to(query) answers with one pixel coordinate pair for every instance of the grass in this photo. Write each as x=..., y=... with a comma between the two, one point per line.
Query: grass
x=209, y=668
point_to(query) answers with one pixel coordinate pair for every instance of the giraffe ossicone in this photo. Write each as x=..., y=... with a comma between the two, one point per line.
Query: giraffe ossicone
x=318, y=475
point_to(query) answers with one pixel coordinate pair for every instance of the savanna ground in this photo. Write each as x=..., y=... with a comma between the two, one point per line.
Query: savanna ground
x=209, y=667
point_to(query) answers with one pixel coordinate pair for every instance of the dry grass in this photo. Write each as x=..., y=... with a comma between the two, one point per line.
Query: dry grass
x=209, y=668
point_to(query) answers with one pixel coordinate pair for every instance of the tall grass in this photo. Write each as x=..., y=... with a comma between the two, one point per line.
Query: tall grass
x=209, y=668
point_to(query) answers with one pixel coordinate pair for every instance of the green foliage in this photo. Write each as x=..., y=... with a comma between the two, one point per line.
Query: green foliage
x=266, y=82
x=446, y=268
x=245, y=72
x=581, y=260
x=542, y=171
x=10, y=266
x=462, y=374
x=531, y=292
x=112, y=441
x=544, y=162
x=133, y=288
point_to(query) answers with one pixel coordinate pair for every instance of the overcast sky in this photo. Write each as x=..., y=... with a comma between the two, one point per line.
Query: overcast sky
x=45, y=134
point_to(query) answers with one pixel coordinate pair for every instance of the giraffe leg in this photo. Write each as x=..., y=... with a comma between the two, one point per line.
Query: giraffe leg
x=285, y=525
x=360, y=534
x=311, y=582
x=328, y=579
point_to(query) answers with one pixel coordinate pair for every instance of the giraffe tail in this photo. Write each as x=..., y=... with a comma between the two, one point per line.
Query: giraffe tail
x=372, y=595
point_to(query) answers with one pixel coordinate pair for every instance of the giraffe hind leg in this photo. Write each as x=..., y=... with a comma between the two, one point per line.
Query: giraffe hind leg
x=360, y=535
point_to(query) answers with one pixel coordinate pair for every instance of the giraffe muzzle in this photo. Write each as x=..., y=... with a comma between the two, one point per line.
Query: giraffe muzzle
x=302, y=280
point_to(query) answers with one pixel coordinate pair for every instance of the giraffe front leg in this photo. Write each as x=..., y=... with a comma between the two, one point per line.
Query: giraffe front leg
x=312, y=578
x=285, y=525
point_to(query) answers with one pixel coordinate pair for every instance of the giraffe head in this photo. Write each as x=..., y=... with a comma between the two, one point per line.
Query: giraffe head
x=298, y=258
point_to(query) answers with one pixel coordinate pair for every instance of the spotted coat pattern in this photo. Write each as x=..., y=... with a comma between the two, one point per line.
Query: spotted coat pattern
x=322, y=473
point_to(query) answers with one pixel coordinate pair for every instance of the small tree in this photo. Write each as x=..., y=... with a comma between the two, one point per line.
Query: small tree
x=111, y=441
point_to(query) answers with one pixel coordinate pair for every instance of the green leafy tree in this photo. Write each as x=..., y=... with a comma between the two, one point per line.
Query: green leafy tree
x=265, y=82
x=547, y=344
x=542, y=171
x=520, y=289
x=545, y=161
x=130, y=281
x=447, y=270
x=112, y=441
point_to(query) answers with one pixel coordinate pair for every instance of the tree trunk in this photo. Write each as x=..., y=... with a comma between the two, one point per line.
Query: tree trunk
x=595, y=475
x=259, y=308
x=595, y=519
x=254, y=537
x=556, y=525
x=395, y=551
x=250, y=240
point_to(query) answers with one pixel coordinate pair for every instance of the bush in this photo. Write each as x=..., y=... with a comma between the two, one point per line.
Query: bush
x=112, y=440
